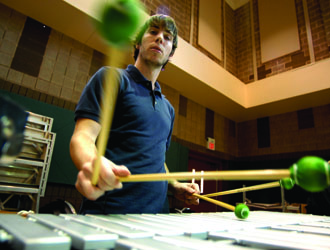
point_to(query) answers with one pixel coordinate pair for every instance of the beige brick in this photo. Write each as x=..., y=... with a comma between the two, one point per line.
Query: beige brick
x=76, y=53
x=79, y=86
x=57, y=79
x=87, y=57
x=54, y=90
x=75, y=96
x=29, y=81
x=15, y=76
x=60, y=67
x=55, y=37
x=52, y=50
x=46, y=69
x=84, y=66
x=68, y=83
x=81, y=77
x=65, y=49
x=12, y=36
x=17, y=21
x=3, y=72
x=67, y=41
x=5, y=59
x=66, y=93
x=42, y=85
x=62, y=58
x=72, y=68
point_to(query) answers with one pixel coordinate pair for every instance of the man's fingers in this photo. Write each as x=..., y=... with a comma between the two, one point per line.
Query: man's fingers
x=121, y=171
x=85, y=187
x=107, y=179
x=108, y=176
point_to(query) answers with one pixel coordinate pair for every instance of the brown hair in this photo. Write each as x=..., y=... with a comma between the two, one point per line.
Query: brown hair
x=158, y=20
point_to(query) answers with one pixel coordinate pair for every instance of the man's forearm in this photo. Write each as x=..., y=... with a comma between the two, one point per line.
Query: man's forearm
x=82, y=150
x=171, y=183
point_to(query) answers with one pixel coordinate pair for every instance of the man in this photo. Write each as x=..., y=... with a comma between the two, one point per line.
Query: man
x=140, y=133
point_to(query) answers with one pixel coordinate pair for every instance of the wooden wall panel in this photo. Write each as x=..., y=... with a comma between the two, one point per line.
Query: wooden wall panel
x=278, y=28
x=209, y=26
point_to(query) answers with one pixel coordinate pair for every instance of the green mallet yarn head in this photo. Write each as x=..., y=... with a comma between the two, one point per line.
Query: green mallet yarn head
x=287, y=183
x=311, y=173
x=119, y=21
x=242, y=211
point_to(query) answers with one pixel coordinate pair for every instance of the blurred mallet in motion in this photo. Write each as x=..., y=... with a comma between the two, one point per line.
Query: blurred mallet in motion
x=119, y=21
x=12, y=125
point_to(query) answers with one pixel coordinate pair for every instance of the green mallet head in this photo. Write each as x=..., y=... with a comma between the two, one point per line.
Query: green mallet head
x=287, y=183
x=311, y=173
x=242, y=211
x=119, y=21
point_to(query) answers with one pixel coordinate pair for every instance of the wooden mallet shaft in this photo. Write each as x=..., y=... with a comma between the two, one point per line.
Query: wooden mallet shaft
x=110, y=87
x=245, y=189
x=211, y=175
x=219, y=203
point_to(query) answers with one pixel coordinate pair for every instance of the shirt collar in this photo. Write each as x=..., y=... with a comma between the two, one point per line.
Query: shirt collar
x=139, y=78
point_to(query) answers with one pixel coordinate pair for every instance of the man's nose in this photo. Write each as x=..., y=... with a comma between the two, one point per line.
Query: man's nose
x=160, y=37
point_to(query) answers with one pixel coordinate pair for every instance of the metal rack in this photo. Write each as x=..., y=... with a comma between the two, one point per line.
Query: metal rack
x=27, y=175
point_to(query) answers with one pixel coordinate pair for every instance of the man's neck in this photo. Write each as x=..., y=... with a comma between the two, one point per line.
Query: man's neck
x=148, y=71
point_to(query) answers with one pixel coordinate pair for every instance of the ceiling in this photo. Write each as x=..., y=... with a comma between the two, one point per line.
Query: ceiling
x=235, y=4
x=227, y=96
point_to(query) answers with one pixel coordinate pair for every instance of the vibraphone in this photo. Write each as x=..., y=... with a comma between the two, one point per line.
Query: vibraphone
x=261, y=230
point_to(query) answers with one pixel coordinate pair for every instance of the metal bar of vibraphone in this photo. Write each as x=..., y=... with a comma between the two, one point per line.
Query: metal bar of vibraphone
x=320, y=224
x=197, y=225
x=304, y=229
x=27, y=235
x=175, y=242
x=195, y=231
x=216, y=221
x=109, y=226
x=136, y=224
x=275, y=239
x=262, y=230
x=82, y=236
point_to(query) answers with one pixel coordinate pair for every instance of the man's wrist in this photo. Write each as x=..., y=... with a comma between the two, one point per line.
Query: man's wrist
x=172, y=184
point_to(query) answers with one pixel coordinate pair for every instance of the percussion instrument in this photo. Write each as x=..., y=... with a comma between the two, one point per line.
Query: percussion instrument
x=219, y=230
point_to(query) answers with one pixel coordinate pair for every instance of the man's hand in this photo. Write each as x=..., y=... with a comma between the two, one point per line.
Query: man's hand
x=185, y=191
x=107, y=179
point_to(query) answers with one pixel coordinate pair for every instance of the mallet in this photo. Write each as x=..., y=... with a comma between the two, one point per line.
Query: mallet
x=241, y=210
x=310, y=172
x=287, y=183
x=119, y=21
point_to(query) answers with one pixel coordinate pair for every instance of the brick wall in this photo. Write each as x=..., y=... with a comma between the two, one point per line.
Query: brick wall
x=286, y=62
x=286, y=136
x=68, y=64
x=318, y=18
x=230, y=44
x=179, y=10
x=244, y=57
x=325, y=12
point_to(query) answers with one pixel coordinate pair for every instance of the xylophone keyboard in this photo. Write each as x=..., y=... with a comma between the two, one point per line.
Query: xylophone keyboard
x=261, y=230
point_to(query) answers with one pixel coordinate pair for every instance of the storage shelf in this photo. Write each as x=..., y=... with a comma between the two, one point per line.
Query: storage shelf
x=28, y=173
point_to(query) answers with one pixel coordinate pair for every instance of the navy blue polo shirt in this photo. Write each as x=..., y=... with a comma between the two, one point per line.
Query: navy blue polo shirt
x=140, y=135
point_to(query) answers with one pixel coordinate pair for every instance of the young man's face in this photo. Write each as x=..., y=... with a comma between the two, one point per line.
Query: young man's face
x=156, y=45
